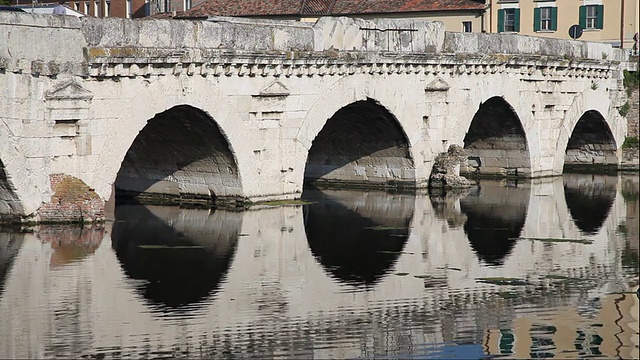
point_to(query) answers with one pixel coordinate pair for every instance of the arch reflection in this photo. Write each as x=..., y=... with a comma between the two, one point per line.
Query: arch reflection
x=10, y=243
x=589, y=199
x=357, y=236
x=495, y=217
x=182, y=254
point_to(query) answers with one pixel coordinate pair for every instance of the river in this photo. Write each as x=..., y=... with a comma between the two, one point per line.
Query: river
x=540, y=268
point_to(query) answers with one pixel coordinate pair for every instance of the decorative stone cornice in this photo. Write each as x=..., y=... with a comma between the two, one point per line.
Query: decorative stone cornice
x=300, y=64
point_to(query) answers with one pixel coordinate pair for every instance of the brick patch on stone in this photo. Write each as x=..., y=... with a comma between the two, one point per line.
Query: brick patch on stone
x=72, y=201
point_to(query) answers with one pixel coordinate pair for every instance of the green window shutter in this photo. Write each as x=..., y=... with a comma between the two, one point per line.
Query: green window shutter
x=600, y=17
x=536, y=19
x=583, y=17
x=554, y=18
x=500, y=21
x=517, y=20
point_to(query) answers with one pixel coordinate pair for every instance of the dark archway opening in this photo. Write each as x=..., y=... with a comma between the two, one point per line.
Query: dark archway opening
x=361, y=145
x=495, y=218
x=589, y=199
x=357, y=236
x=591, y=145
x=183, y=260
x=179, y=157
x=496, y=143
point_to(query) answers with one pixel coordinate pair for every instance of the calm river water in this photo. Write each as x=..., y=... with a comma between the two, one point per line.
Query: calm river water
x=544, y=268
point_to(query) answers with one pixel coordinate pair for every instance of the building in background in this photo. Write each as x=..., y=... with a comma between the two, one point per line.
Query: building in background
x=95, y=8
x=611, y=21
x=48, y=9
x=457, y=15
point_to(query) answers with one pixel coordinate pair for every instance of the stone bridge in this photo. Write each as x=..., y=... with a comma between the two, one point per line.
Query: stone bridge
x=229, y=111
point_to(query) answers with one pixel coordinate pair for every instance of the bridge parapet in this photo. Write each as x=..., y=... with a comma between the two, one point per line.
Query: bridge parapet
x=475, y=43
x=95, y=47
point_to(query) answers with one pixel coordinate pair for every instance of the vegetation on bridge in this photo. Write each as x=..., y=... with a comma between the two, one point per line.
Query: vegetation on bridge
x=631, y=81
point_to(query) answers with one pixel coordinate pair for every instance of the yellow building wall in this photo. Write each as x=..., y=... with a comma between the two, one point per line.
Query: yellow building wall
x=568, y=14
x=452, y=22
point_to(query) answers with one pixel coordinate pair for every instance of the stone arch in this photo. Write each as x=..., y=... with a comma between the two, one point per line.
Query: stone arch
x=496, y=142
x=156, y=98
x=591, y=142
x=588, y=108
x=181, y=155
x=348, y=91
x=361, y=144
x=20, y=192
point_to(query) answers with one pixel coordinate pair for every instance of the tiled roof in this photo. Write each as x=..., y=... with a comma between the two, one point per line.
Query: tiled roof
x=400, y=6
x=326, y=7
x=245, y=8
x=317, y=6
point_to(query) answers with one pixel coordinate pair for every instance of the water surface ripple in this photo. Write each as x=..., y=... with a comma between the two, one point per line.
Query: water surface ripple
x=542, y=268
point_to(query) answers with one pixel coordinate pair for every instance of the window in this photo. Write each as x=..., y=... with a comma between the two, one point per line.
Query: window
x=466, y=26
x=76, y=6
x=96, y=6
x=107, y=8
x=87, y=5
x=186, y=5
x=545, y=19
x=128, y=9
x=508, y=20
x=592, y=16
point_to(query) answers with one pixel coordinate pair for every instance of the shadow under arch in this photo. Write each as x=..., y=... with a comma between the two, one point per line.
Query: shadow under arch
x=361, y=145
x=182, y=255
x=591, y=143
x=180, y=156
x=495, y=218
x=589, y=199
x=10, y=205
x=357, y=236
x=496, y=143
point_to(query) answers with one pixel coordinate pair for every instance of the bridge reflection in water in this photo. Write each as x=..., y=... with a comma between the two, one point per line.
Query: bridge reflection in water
x=519, y=269
x=357, y=236
x=180, y=255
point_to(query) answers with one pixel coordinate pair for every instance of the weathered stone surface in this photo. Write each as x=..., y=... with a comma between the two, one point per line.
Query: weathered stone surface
x=445, y=169
x=75, y=95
